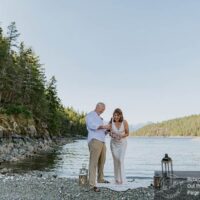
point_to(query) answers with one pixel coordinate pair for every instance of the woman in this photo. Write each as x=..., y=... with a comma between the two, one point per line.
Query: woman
x=119, y=132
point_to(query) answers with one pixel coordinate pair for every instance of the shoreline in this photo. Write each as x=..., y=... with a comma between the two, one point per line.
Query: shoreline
x=20, y=148
x=44, y=186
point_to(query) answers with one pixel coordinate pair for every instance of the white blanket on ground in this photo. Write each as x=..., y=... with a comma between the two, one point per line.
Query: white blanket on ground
x=123, y=187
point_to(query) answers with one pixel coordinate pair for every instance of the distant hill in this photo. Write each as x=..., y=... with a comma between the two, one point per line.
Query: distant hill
x=185, y=126
x=138, y=126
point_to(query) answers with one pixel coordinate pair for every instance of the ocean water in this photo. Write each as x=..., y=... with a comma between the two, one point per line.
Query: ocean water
x=143, y=156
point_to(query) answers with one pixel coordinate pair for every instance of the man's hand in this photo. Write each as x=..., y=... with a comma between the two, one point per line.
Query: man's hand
x=107, y=127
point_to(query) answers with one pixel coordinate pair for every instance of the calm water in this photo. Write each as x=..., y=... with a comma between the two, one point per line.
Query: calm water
x=143, y=156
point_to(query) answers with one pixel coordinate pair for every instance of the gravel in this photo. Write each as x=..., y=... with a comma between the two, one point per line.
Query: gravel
x=49, y=187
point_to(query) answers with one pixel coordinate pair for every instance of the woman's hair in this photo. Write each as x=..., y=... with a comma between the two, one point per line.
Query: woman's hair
x=119, y=112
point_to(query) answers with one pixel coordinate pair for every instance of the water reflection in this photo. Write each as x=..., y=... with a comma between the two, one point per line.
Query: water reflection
x=43, y=162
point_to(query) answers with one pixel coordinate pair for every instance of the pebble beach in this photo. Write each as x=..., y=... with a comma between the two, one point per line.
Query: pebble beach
x=38, y=186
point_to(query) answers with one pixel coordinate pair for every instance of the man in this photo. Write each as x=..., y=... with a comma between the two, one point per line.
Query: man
x=96, y=144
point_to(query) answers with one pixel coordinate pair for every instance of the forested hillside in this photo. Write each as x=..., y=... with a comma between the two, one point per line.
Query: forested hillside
x=185, y=126
x=26, y=93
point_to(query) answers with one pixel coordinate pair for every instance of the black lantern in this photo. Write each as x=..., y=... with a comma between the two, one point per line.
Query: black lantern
x=167, y=167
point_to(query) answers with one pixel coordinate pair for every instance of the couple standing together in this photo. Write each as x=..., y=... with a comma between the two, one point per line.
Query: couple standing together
x=118, y=130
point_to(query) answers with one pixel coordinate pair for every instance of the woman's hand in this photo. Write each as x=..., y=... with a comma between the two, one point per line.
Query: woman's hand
x=119, y=137
x=112, y=135
x=115, y=136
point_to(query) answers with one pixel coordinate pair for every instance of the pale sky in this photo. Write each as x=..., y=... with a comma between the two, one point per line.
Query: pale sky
x=142, y=56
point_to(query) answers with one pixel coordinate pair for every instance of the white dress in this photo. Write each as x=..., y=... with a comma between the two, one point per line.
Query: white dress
x=118, y=149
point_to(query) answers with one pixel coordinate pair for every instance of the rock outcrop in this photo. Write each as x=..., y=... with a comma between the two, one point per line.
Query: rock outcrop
x=21, y=137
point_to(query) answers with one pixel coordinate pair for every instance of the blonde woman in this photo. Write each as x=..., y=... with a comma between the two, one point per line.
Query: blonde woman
x=118, y=144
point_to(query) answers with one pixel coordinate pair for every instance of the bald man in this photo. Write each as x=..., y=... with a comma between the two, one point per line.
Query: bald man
x=96, y=144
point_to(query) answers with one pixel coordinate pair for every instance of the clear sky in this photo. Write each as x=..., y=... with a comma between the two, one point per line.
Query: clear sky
x=140, y=55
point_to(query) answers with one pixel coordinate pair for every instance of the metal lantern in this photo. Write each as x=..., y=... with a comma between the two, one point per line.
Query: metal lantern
x=167, y=167
x=157, y=181
x=83, y=175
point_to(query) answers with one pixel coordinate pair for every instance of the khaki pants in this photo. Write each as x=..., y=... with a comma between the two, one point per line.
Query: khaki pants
x=97, y=160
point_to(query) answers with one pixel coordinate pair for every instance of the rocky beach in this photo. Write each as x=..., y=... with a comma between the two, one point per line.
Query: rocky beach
x=37, y=186
x=21, y=139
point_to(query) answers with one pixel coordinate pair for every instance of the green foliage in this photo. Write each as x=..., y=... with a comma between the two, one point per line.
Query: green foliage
x=15, y=110
x=186, y=126
x=76, y=121
x=25, y=90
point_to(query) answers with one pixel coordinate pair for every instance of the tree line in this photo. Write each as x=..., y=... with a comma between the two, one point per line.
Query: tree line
x=185, y=126
x=25, y=90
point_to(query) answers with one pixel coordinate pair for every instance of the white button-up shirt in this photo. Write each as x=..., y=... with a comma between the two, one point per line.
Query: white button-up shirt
x=93, y=121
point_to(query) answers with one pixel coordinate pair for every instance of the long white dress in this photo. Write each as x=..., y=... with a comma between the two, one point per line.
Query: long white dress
x=118, y=149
